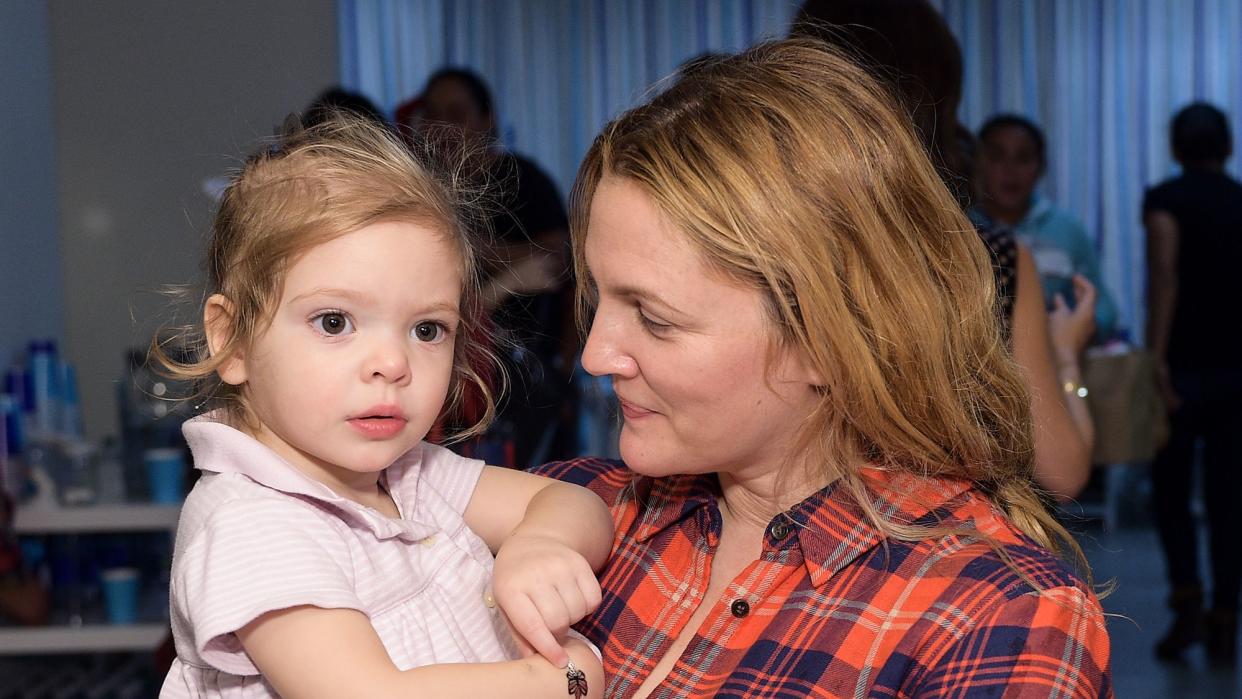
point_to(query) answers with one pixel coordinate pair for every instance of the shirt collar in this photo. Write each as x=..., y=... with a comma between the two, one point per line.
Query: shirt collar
x=832, y=528
x=663, y=502
x=1040, y=207
x=220, y=448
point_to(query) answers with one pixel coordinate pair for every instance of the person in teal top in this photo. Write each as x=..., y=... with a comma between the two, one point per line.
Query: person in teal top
x=1011, y=161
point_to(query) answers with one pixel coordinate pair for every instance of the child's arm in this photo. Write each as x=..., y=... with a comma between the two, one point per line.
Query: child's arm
x=549, y=538
x=310, y=652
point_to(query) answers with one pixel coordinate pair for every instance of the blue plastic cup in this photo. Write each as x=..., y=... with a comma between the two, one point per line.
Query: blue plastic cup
x=120, y=592
x=165, y=475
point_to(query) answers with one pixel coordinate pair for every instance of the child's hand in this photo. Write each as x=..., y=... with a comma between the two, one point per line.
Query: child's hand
x=543, y=586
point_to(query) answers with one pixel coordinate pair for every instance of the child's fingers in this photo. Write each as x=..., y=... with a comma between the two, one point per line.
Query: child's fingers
x=588, y=585
x=574, y=603
x=554, y=608
x=528, y=622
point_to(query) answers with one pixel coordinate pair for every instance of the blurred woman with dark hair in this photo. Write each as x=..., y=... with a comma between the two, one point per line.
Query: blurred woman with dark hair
x=907, y=45
x=1194, y=247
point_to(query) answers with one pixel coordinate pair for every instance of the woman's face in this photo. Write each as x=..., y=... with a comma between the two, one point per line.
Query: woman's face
x=1010, y=167
x=702, y=387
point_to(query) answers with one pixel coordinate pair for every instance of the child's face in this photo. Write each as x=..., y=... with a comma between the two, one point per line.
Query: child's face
x=356, y=364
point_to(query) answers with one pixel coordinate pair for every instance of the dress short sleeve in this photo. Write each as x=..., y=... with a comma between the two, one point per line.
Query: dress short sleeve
x=1159, y=198
x=453, y=476
x=254, y=556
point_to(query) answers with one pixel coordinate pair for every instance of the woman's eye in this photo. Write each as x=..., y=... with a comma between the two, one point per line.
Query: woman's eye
x=332, y=323
x=653, y=326
x=429, y=331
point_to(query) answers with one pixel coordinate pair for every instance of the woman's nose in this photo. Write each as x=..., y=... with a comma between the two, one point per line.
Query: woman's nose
x=605, y=352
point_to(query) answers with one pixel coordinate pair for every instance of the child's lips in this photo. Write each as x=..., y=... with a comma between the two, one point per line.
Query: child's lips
x=378, y=426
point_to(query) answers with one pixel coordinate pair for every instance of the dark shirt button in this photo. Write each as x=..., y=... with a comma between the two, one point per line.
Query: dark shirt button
x=740, y=608
x=780, y=530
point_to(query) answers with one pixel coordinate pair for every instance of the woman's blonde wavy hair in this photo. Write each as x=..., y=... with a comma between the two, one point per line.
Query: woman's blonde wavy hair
x=794, y=172
x=311, y=186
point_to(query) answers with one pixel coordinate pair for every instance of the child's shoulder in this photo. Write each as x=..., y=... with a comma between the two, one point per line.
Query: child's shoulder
x=231, y=500
x=450, y=477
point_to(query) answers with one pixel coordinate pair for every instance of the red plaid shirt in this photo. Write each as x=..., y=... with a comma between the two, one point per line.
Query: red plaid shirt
x=832, y=608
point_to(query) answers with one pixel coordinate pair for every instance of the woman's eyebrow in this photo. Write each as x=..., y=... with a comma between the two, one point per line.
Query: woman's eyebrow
x=646, y=296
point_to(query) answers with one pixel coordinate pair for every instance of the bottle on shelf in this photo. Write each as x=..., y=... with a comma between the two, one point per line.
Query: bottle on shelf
x=151, y=415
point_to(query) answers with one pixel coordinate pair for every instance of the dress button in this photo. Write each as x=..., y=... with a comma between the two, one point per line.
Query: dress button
x=740, y=608
x=489, y=600
x=780, y=530
x=429, y=541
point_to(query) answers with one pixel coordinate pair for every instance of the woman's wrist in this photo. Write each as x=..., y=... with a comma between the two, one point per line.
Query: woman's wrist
x=1069, y=375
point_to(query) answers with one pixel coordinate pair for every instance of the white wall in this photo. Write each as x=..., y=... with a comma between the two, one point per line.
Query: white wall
x=31, y=299
x=151, y=98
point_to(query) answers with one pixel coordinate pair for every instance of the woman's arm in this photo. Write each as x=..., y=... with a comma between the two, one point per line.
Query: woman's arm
x=549, y=538
x=309, y=652
x=1162, y=250
x=1064, y=433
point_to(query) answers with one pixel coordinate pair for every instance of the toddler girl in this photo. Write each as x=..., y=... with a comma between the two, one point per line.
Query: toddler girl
x=327, y=551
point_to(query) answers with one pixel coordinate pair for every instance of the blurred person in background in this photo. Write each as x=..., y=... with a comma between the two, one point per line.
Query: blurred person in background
x=908, y=45
x=1194, y=245
x=527, y=289
x=1011, y=159
x=338, y=99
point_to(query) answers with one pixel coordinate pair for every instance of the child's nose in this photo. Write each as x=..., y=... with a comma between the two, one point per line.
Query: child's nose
x=388, y=362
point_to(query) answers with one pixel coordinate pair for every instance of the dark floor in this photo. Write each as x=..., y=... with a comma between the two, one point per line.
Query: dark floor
x=1122, y=547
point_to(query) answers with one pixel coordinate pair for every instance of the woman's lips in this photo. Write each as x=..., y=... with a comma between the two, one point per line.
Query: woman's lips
x=378, y=427
x=634, y=412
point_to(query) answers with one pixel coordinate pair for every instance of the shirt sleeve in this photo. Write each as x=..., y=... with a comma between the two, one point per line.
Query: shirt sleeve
x=252, y=557
x=604, y=477
x=453, y=476
x=1047, y=644
x=1159, y=198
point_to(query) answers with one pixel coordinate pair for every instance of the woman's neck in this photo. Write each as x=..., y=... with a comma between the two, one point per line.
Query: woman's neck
x=1006, y=216
x=756, y=500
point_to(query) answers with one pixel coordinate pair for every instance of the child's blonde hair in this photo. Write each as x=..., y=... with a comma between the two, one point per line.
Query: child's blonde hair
x=312, y=186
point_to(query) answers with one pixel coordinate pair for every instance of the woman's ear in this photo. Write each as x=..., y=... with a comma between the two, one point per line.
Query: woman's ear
x=796, y=367
x=218, y=318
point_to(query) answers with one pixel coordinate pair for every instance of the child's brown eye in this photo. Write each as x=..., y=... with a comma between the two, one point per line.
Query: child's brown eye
x=429, y=332
x=332, y=323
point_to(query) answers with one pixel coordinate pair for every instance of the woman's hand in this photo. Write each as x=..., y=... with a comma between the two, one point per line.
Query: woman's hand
x=1071, y=330
x=543, y=586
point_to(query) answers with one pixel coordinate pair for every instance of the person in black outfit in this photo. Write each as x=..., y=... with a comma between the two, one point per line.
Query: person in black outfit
x=1194, y=244
x=527, y=289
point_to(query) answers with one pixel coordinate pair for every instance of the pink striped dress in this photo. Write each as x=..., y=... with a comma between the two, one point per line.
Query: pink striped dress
x=256, y=535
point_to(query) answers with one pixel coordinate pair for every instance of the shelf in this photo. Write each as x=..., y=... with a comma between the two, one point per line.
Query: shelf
x=97, y=519
x=50, y=640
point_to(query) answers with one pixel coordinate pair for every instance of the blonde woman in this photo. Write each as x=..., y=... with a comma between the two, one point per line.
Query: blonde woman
x=826, y=488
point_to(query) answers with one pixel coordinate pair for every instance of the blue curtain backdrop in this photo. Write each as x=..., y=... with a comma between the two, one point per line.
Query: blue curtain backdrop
x=1103, y=77
x=559, y=69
